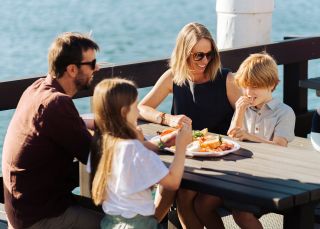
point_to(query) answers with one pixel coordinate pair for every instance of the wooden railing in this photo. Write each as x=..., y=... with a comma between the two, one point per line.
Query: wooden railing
x=293, y=54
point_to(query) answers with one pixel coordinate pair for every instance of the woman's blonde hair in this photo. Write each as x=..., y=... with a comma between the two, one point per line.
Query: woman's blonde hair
x=258, y=70
x=111, y=103
x=187, y=38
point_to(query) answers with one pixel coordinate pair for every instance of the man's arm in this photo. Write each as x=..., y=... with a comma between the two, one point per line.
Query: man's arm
x=67, y=129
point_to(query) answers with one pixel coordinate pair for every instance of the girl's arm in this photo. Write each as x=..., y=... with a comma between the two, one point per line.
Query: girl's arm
x=173, y=179
x=151, y=101
x=167, y=141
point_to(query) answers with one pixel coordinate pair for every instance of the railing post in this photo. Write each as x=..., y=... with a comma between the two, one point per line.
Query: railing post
x=293, y=95
x=297, y=97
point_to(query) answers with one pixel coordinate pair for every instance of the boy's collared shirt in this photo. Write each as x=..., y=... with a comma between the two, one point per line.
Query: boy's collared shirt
x=273, y=119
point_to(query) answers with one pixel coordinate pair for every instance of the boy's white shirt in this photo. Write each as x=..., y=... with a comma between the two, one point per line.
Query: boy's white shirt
x=134, y=170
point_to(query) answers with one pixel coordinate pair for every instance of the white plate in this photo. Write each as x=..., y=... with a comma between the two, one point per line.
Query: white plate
x=236, y=147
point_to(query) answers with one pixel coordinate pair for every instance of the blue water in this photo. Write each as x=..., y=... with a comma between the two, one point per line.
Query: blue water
x=127, y=31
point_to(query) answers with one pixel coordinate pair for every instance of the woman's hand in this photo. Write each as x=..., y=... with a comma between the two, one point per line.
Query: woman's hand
x=178, y=120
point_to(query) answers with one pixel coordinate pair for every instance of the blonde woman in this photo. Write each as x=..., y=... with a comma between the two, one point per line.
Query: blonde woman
x=204, y=94
x=123, y=168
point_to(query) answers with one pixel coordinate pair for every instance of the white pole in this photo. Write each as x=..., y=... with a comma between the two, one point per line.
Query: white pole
x=243, y=23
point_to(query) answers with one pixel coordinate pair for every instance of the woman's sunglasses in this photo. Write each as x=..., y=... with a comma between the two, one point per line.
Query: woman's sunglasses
x=200, y=55
x=92, y=64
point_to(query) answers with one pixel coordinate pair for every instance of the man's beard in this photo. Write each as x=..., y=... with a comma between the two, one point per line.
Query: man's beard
x=82, y=82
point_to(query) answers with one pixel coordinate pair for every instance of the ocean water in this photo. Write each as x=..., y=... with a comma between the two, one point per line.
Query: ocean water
x=127, y=31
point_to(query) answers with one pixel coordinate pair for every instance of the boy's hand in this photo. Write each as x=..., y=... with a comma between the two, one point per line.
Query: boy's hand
x=243, y=103
x=239, y=134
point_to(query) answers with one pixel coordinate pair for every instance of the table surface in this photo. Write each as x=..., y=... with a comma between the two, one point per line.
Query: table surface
x=258, y=176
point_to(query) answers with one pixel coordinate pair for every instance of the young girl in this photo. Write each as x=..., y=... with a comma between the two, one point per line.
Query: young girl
x=123, y=168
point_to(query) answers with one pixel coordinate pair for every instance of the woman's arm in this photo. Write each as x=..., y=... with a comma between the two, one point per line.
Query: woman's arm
x=233, y=91
x=158, y=93
x=151, y=101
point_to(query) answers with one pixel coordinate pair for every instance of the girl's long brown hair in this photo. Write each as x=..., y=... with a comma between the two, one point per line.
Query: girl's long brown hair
x=111, y=102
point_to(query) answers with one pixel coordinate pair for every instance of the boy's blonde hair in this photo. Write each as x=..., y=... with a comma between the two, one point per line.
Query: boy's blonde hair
x=258, y=70
x=111, y=103
x=187, y=38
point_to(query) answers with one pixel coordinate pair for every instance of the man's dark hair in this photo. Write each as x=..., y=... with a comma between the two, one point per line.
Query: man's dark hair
x=67, y=49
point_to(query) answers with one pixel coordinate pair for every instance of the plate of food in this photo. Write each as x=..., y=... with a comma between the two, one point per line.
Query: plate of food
x=205, y=144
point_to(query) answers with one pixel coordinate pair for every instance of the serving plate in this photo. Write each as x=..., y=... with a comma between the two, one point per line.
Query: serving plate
x=236, y=147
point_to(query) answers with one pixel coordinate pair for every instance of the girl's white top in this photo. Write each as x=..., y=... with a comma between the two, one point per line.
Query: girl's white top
x=134, y=170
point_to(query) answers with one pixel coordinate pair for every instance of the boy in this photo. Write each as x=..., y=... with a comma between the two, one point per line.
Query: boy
x=259, y=118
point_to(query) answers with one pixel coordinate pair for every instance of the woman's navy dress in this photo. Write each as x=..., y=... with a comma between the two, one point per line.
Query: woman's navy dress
x=206, y=104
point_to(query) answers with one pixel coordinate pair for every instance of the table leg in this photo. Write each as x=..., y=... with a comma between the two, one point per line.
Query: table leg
x=84, y=181
x=299, y=217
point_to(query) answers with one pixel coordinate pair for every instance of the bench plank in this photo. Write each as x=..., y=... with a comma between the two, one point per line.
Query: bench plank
x=273, y=201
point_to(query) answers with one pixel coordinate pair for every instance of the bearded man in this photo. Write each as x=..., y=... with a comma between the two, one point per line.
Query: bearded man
x=44, y=136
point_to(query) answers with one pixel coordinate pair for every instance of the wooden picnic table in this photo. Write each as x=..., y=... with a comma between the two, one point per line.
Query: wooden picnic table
x=259, y=178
